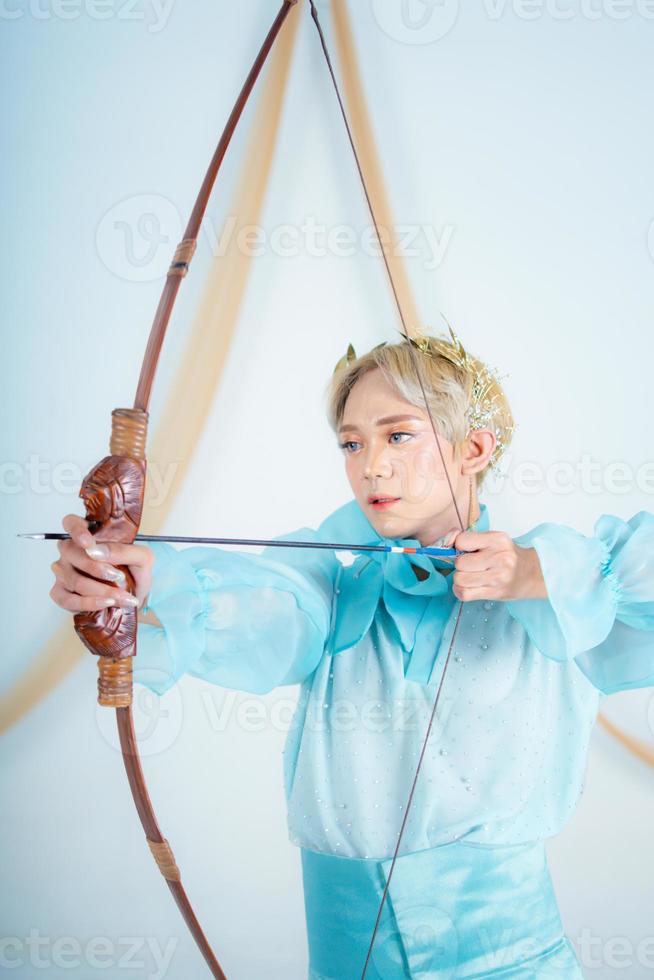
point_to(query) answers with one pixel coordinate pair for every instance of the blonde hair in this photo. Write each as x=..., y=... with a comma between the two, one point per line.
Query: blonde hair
x=462, y=393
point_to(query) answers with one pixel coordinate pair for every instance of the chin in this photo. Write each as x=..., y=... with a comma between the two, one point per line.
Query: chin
x=389, y=526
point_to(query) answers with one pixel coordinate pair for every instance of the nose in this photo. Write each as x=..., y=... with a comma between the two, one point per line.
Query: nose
x=377, y=464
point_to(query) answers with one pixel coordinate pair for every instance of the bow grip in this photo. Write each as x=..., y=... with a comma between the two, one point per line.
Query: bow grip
x=113, y=493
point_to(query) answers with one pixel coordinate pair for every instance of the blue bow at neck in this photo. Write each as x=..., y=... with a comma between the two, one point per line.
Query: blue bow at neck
x=420, y=609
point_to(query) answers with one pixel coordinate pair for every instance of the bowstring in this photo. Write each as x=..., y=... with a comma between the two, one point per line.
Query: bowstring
x=418, y=373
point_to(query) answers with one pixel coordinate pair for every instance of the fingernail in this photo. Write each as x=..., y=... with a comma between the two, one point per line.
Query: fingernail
x=108, y=602
x=115, y=575
x=86, y=540
x=97, y=551
x=130, y=600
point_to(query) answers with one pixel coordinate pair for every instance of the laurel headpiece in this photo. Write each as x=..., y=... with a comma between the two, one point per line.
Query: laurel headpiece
x=487, y=407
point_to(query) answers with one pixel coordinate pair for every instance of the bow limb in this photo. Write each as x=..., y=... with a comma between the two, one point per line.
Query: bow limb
x=113, y=493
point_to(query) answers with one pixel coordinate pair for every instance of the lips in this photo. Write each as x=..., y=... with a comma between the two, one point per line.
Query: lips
x=379, y=501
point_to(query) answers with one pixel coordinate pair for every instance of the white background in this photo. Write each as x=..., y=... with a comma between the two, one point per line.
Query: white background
x=521, y=136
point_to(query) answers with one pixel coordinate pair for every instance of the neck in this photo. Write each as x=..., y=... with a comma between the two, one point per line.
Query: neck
x=447, y=520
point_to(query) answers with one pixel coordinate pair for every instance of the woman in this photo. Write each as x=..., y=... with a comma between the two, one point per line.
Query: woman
x=550, y=621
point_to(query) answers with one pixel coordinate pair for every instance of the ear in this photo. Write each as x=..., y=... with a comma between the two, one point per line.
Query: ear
x=477, y=451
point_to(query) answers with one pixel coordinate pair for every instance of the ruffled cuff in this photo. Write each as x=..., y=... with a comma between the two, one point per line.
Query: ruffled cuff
x=247, y=622
x=599, y=588
x=181, y=605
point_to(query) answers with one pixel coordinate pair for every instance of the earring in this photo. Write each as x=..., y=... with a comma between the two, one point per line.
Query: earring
x=470, y=503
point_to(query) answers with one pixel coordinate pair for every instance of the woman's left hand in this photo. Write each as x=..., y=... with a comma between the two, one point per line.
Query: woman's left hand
x=496, y=567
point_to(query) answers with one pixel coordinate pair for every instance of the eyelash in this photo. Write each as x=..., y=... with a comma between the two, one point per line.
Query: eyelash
x=351, y=442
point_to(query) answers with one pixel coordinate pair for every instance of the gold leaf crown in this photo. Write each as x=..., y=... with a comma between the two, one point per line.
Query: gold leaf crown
x=487, y=407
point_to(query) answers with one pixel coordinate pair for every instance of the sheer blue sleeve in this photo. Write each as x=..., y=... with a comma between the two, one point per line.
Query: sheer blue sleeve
x=246, y=621
x=600, y=605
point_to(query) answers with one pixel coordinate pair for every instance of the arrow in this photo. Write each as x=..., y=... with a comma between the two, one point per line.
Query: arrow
x=261, y=542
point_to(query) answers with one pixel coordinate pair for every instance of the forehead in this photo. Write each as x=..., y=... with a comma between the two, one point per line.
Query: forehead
x=373, y=396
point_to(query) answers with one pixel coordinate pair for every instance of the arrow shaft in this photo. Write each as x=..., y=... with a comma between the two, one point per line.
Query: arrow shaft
x=269, y=543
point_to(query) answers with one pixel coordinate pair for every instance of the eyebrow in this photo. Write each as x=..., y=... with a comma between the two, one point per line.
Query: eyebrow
x=387, y=420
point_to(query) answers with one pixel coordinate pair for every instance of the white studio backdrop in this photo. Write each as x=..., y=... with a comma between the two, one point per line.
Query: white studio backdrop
x=518, y=154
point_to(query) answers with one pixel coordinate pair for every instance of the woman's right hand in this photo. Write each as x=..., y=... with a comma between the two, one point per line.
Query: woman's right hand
x=77, y=588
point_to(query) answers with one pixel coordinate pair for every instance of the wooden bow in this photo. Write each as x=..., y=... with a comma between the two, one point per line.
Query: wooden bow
x=113, y=493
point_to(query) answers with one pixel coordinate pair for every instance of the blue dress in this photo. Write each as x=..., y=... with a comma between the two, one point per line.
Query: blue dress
x=471, y=894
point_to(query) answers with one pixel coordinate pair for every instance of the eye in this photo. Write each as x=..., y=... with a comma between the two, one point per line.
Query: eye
x=350, y=446
x=399, y=441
